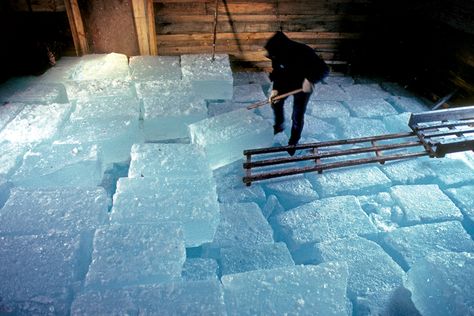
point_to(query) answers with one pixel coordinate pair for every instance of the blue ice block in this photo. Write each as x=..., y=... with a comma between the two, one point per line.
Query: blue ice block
x=36, y=123
x=299, y=290
x=317, y=128
x=424, y=203
x=250, y=77
x=38, y=269
x=164, y=88
x=408, y=104
x=39, y=211
x=230, y=188
x=11, y=157
x=136, y=254
x=60, y=165
x=324, y=220
x=464, y=198
x=106, y=109
x=329, y=92
x=354, y=127
x=41, y=93
x=224, y=137
x=169, y=117
x=15, y=85
x=360, y=180
x=173, y=298
x=89, y=89
x=441, y=284
x=327, y=109
x=415, y=171
x=373, y=275
x=8, y=112
x=366, y=92
x=272, y=207
x=339, y=80
x=395, y=89
x=198, y=269
x=451, y=172
x=382, y=210
x=147, y=68
x=210, y=79
x=370, y=108
x=397, y=123
x=168, y=160
x=292, y=192
x=192, y=202
x=101, y=66
x=61, y=72
x=220, y=107
x=260, y=257
x=242, y=224
x=5, y=187
x=249, y=93
x=409, y=244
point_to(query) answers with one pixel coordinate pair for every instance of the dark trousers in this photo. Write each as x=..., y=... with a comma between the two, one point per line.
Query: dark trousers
x=300, y=101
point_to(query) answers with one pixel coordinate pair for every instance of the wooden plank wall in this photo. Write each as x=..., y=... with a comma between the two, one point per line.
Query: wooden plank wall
x=330, y=26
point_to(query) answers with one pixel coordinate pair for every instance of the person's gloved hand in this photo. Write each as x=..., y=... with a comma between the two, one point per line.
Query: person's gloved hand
x=273, y=94
x=307, y=86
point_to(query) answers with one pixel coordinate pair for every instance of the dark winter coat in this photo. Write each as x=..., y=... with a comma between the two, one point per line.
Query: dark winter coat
x=292, y=62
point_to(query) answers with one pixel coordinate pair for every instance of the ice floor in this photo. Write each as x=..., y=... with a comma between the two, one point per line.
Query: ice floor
x=121, y=194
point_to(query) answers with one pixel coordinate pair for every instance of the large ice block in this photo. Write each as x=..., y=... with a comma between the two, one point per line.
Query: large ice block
x=102, y=66
x=396, y=89
x=11, y=157
x=323, y=220
x=424, y=203
x=327, y=109
x=370, y=108
x=230, y=188
x=451, y=172
x=317, y=128
x=441, y=284
x=5, y=187
x=415, y=171
x=39, y=211
x=224, y=137
x=242, y=224
x=146, y=68
x=360, y=180
x=197, y=269
x=409, y=244
x=464, y=198
x=173, y=298
x=169, y=117
x=260, y=257
x=15, y=85
x=89, y=89
x=272, y=207
x=408, y=104
x=249, y=93
x=36, y=123
x=136, y=254
x=373, y=275
x=168, y=160
x=60, y=165
x=106, y=109
x=292, y=192
x=210, y=79
x=114, y=137
x=215, y=108
x=41, y=93
x=339, y=80
x=299, y=290
x=192, y=202
x=354, y=127
x=163, y=88
x=397, y=123
x=250, y=77
x=38, y=269
x=366, y=92
x=8, y=112
x=62, y=71
x=329, y=92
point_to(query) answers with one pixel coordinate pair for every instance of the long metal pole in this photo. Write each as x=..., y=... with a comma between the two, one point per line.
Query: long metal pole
x=215, y=31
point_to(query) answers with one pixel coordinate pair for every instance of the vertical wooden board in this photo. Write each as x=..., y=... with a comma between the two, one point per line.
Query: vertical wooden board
x=141, y=26
x=77, y=27
x=151, y=28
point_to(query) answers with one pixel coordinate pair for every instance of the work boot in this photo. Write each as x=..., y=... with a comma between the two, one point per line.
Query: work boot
x=277, y=129
x=291, y=151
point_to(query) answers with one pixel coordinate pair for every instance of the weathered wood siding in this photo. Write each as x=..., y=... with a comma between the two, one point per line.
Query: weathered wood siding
x=332, y=27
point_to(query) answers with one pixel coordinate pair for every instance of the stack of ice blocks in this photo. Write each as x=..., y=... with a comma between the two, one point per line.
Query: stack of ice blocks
x=169, y=183
x=184, y=235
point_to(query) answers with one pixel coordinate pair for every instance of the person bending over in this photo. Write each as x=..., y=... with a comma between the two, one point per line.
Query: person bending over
x=295, y=66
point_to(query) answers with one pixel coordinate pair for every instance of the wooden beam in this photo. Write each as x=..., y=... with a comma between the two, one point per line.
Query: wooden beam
x=77, y=27
x=144, y=18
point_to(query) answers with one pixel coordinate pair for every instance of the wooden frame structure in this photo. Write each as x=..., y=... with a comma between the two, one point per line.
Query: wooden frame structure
x=77, y=27
x=434, y=134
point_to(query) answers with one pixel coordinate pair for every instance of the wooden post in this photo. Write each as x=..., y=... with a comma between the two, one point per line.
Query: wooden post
x=77, y=27
x=144, y=18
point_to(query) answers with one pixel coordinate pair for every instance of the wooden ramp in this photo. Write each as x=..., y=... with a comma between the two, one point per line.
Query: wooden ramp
x=434, y=134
